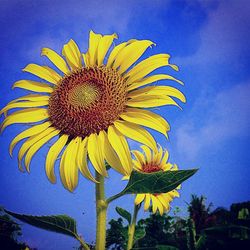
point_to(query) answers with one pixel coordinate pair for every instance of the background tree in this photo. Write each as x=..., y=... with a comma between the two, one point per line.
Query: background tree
x=9, y=233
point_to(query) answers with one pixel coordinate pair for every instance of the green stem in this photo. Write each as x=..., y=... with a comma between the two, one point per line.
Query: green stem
x=131, y=228
x=84, y=245
x=101, y=213
x=112, y=198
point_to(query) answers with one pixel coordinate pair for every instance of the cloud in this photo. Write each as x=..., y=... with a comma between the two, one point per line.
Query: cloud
x=225, y=115
x=224, y=36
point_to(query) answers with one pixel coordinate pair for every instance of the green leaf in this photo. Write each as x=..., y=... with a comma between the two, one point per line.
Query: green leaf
x=139, y=234
x=57, y=223
x=158, y=182
x=124, y=213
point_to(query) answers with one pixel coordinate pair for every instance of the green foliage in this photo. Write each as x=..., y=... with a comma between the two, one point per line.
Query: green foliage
x=117, y=235
x=9, y=233
x=124, y=213
x=220, y=229
x=243, y=214
x=157, y=182
x=191, y=234
x=158, y=230
x=199, y=212
x=116, y=238
x=57, y=223
x=236, y=207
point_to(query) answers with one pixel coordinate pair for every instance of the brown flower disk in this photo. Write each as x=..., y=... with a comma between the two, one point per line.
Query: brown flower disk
x=87, y=101
x=150, y=168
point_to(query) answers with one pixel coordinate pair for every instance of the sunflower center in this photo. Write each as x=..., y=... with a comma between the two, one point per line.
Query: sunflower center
x=87, y=101
x=151, y=168
x=83, y=95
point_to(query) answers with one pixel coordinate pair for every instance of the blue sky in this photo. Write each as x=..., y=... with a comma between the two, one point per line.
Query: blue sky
x=209, y=40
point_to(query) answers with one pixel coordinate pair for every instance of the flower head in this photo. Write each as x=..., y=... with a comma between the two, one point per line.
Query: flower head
x=150, y=162
x=91, y=106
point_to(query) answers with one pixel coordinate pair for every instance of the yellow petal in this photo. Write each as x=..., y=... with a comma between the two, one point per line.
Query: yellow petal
x=25, y=116
x=27, y=133
x=85, y=59
x=32, y=97
x=33, y=86
x=52, y=155
x=158, y=156
x=166, y=166
x=94, y=40
x=167, y=197
x=73, y=168
x=53, y=74
x=82, y=159
x=95, y=153
x=41, y=72
x=139, y=198
x=146, y=118
x=68, y=167
x=154, y=204
x=147, y=201
x=114, y=53
x=23, y=105
x=27, y=144
x=150, y=101
x=117, y=49
x=103, y=47
x=120, y=145
x=159, y=205
x=146, y=67
x=164, y=202
x=137, y=165
x=130, y=54
x=175, y=167
x=72, y=54
x=147, y=153
x=55, y=59
x=158, y=90
x=109, y=153
x=173, y=193
x=137, y=133
x=139, y=157
x=36, y=146
x=63, y=171
x=147, y=62
x=165, y=157
x=151, y=79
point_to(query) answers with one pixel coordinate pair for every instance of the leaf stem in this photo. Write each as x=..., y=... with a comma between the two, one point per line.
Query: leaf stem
x=114, y=197
x=82, y=242
x=101, y=213
x=131, y=228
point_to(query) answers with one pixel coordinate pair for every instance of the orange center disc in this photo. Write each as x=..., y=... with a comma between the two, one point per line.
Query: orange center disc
x=87, y=101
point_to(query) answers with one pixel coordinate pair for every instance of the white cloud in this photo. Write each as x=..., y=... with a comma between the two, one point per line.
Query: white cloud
x=225, y=115
x=225, y=35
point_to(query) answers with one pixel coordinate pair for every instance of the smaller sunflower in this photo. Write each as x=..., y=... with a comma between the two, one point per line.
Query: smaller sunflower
x=150, y=162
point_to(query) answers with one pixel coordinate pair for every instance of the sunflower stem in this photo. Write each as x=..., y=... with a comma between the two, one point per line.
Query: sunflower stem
x=131, y=228
x=101, y=213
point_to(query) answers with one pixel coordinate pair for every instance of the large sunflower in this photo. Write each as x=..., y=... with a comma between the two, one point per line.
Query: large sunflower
x=150, y=162
x=91, y=106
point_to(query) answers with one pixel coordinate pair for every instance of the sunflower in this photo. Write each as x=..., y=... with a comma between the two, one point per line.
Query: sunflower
x=89, y=104
x=148, y=162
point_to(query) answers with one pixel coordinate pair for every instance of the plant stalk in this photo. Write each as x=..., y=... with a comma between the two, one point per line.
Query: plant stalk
x=101, y=213
x=84, y=245
x=131, y=228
